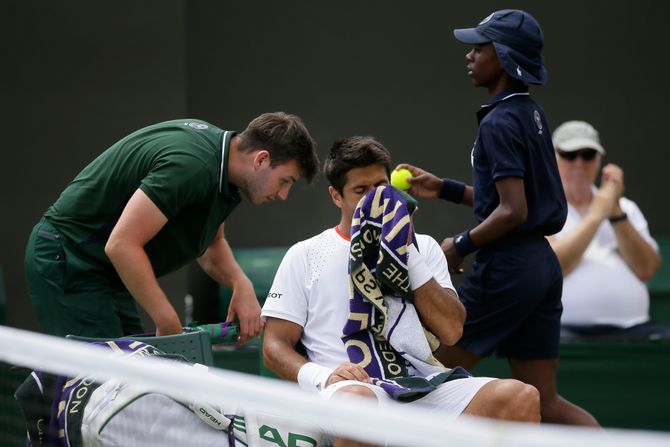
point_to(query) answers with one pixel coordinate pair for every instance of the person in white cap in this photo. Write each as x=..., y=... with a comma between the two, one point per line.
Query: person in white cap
x=605, y=249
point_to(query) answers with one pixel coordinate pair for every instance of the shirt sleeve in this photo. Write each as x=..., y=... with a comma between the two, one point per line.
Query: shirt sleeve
x=504, y=147
x=288, y=295
x=636, y=218
x=436, y=261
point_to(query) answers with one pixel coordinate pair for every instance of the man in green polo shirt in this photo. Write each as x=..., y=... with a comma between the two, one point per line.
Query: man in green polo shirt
x=149, y=204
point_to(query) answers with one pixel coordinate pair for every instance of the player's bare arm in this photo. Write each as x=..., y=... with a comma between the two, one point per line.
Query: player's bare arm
x=440, y=311
x=220, y=264
x=140, y=221
x=279, y=352
x=281, y=357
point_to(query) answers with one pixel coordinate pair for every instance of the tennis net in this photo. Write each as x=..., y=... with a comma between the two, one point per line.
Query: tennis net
x=262, y=411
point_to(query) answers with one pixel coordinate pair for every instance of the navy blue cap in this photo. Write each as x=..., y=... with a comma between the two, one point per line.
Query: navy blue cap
x=518, y=41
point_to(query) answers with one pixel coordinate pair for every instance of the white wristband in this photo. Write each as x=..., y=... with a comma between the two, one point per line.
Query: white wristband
x=313, y=377
x=419, y=273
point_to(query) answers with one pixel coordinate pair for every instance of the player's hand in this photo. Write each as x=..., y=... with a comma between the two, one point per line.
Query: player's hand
x=348, y=371
x=245, y=309
x=424, y=184
x=454, y=260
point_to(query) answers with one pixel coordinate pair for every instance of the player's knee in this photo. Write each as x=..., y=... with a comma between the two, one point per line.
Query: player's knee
x=512, y=400
x=522, y=401
x=528, y=403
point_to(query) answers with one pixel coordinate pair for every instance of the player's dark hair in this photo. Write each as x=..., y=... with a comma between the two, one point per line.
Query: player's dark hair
x=354, y=152
x=285, y=137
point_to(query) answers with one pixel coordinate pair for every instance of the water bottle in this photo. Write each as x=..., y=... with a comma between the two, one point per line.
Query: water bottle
x=188, y=309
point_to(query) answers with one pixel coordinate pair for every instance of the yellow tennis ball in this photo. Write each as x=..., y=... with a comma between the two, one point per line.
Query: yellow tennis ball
x=399, y=179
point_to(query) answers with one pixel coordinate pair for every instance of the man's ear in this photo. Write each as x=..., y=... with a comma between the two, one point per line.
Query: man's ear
x=260, y=157
x=335, y=196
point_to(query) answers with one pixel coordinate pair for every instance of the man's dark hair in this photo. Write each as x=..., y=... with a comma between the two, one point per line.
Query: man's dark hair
x=285, y=137
x=354, y=152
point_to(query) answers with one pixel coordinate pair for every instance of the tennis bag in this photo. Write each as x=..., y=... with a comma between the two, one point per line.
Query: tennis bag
x=64, y=411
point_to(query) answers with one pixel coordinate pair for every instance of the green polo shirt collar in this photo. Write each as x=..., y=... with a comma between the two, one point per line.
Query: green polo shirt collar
x=224, y=186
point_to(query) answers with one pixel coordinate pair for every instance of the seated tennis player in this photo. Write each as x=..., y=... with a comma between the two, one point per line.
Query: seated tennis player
x=370, y=301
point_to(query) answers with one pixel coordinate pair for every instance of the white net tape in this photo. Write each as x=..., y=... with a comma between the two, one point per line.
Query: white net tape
x=360, y=419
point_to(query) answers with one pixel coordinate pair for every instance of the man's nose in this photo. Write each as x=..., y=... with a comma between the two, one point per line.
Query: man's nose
x=282, y=194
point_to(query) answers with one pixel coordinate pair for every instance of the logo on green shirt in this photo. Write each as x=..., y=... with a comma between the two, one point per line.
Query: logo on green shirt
x=199, y=126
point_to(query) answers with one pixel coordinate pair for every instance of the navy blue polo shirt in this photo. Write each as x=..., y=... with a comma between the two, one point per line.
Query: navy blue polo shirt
x=514, y=140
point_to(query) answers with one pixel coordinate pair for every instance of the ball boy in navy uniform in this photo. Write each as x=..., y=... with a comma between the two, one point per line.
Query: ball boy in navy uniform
x=513, y=293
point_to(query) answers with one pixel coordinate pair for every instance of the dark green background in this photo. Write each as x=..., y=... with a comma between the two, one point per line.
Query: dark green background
x=78, y=75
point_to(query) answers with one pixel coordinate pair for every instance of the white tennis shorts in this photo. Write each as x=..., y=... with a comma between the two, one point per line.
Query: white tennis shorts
x=449, y=399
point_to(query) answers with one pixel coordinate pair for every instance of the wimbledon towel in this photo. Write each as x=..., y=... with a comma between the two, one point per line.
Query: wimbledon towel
x=383, y=332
